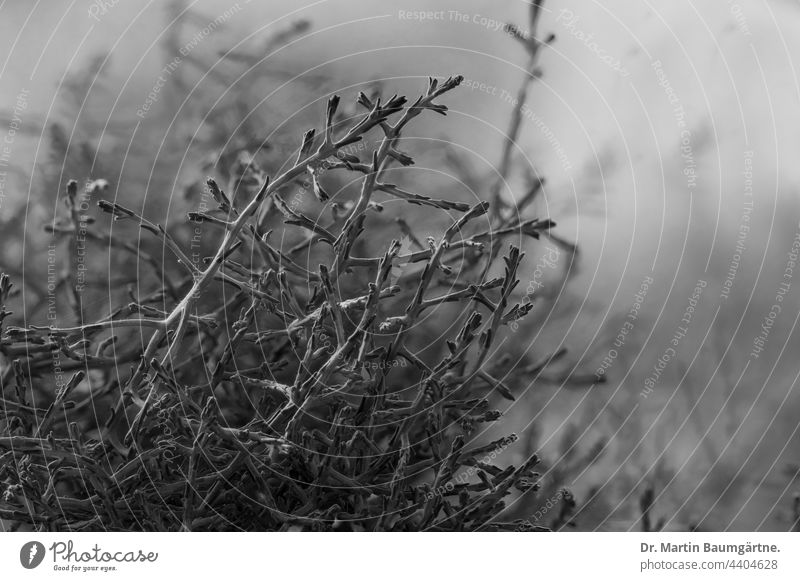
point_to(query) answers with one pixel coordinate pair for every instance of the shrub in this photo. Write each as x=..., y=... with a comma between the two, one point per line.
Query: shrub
x=285, y=382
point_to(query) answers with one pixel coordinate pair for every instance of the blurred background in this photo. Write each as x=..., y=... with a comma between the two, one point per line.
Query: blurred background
x=667, y=136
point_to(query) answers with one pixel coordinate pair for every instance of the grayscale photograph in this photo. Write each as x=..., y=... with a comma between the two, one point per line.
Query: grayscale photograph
x=421, y=266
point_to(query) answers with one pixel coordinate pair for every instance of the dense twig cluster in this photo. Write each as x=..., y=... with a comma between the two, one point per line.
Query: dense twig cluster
x=256, y=392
